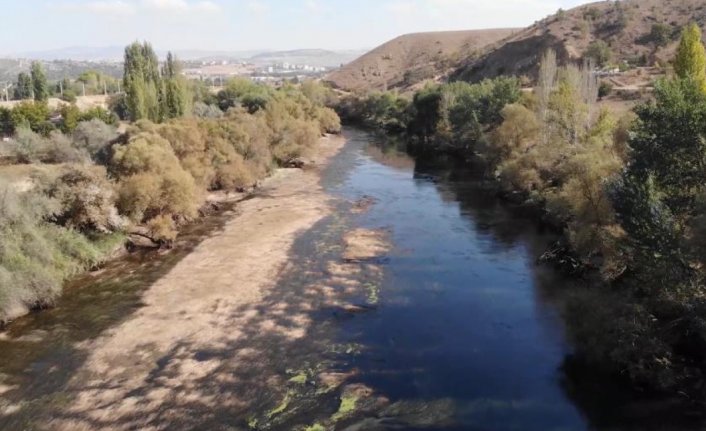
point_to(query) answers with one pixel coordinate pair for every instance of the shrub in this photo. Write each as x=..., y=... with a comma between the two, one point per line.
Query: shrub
x=27, y=146
x=86, y=201
x=151, y=180
x=117, y=104
x=60, y=149
x=32, y=115
x=328, y=120
x=234, y=175
x=202, y=110
x=98, y=113
x=36, y=256
x=244, y=92
x=95, y=137
x=604, y=89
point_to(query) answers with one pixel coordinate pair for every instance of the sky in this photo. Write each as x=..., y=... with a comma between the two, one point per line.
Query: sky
x=236, y=25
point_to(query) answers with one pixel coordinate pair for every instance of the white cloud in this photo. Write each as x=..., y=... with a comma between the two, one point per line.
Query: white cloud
x=312, y=5
x=130, y=7
x=100, y=7
x=206, y=6
x=181, y=6
x=258, y=7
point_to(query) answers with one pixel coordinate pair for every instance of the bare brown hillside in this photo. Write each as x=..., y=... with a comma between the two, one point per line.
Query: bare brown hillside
x=639, y=32
x=412, y=58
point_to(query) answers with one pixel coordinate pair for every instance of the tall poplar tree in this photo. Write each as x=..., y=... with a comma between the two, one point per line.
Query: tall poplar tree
x=175, y=92
x=39, y=82
x=143, y=83
x=690, y=62
x=23, y=89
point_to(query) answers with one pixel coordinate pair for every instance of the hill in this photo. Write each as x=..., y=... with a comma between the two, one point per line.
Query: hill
x=637, y=33
x=412, y=58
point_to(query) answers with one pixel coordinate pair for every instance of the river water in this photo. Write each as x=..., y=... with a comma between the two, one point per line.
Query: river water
x=465, y=334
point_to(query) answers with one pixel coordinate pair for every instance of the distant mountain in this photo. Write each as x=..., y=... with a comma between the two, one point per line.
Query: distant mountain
x=314, y=57
x=77, y=53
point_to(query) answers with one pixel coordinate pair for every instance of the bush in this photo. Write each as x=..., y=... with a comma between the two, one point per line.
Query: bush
x=69, y=96
x=36, y=256
x=243, y=92
x=202, y=110
x=86, y=201
x=151, y=180
x=117, y=104
x=604, y=89
x=32, y=115
x=60, y=149
x=27, y=146
x=328, y=120
x=95, y=137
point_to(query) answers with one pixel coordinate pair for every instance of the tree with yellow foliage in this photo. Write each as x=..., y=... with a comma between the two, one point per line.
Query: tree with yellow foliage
x=690, y=62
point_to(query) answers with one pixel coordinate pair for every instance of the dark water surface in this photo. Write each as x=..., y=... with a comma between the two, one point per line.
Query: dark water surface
x=466, y=334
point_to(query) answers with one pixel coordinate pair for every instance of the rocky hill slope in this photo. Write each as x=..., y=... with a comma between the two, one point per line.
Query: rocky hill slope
x=623, y=33
x=412, y=58
x=634, y=32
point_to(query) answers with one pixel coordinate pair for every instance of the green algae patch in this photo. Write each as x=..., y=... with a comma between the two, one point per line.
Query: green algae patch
x=348, y=403
x=299, y=379
x=281, y=407
x=373, y=293
x=347, y=348
x=315, y=427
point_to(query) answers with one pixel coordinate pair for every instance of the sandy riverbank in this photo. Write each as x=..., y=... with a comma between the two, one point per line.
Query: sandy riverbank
x=204, y=303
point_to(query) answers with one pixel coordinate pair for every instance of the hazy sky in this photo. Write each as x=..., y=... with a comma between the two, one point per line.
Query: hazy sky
x=29, y=25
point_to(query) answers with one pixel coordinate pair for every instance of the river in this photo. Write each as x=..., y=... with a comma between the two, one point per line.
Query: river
x=461, y=332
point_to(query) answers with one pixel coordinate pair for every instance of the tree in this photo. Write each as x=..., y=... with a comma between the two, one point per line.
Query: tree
x=600, y=52
x=175, y=91
x=39, y=82
x=32, y=115
x=660, y=34
x=669, y=144
x=23, y=90
x=690, y=62
x=142, y=83
x=7, y=126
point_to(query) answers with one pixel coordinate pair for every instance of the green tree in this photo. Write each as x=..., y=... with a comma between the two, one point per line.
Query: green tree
x=690, y=62
x=23, y=89
x=142, y=82
x=32, y=115
x=176, y=100
x=660, y=34
x=7, y=125
x=600, y=52
x=39, y=82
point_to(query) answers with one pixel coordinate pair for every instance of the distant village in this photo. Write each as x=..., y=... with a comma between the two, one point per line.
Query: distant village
x=217, y=72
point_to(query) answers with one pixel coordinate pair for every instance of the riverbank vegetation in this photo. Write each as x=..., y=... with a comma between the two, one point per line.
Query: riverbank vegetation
x=94, y=185
x=628, y=190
